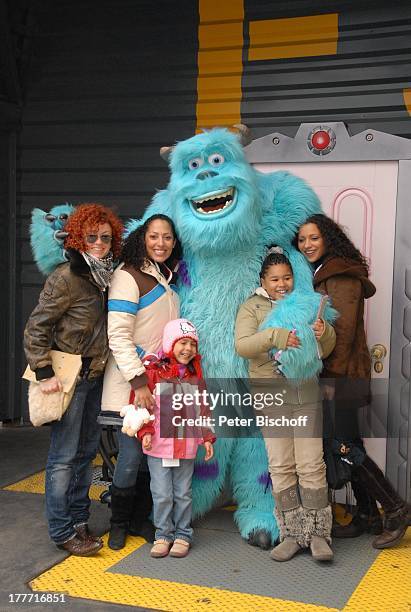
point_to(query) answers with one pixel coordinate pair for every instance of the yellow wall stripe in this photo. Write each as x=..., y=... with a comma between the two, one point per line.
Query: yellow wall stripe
x=407, y=100
x=220, y=63
x=293, y=37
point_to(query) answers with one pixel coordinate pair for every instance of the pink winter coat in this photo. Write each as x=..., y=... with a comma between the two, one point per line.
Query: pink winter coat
x=172, y=441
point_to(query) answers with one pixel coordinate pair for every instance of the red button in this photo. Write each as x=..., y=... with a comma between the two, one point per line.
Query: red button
x=320, y=140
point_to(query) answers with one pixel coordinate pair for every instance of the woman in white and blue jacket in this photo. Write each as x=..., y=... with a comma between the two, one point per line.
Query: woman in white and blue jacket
x=142, y=300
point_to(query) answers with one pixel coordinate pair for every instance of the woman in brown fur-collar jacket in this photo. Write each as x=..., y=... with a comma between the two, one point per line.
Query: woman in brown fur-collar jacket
x=71, y=317
x=341, y=272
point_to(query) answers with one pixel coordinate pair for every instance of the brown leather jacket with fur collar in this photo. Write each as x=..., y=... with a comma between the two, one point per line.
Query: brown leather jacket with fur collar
x=71, y=306
x=347, y=284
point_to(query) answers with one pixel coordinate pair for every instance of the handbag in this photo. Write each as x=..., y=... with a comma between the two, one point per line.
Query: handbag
x=338, y=470
x=47, y=407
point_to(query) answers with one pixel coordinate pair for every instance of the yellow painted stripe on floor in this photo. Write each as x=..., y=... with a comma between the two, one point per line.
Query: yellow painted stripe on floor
x=387, y=584
x=90, y=578
x=293, y=37
x=36, y=484
x=220, y=63
x=407, y=99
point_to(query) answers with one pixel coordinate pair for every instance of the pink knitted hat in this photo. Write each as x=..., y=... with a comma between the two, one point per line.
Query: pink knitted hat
x=176, y=330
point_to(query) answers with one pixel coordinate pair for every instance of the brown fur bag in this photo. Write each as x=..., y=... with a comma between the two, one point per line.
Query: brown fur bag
x=47, y=407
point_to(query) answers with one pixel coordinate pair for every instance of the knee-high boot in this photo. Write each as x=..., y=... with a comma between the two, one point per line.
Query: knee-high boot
x=367, y=517
x=122, y=502
x=140, y=524
x=396, y=512
x=317, y=522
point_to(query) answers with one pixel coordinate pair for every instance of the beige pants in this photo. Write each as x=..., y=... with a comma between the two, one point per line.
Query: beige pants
x=297, y=458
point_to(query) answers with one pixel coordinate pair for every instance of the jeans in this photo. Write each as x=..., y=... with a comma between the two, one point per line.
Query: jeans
x=171, y=491
x=129, y=458
x=73, y=446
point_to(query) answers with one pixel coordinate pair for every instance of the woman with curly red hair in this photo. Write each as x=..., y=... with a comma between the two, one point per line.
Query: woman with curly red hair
x=71, y=317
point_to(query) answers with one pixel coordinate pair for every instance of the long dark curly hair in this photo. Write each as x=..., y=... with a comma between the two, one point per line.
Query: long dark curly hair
x=336, y=240
x=134, y=248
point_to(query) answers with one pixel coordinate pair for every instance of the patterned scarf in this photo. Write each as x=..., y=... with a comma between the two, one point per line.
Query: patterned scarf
x=101, y=269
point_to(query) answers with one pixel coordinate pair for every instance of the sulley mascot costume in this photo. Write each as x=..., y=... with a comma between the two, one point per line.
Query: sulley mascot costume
x=226, y=214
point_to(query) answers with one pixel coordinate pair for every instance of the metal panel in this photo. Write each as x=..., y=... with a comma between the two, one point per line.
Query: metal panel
x=399, y=416
x=368, y=145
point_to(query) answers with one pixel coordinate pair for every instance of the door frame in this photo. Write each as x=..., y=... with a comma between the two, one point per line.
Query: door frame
x=369, y=145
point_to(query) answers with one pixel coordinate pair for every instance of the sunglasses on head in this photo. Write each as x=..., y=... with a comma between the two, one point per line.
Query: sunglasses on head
x=92, y=238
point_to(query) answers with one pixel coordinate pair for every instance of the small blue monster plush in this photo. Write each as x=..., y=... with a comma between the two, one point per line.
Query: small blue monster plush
x=226, y=214
x=47, y=236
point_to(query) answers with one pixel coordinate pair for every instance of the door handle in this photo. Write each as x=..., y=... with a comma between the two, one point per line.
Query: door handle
x=378, y=353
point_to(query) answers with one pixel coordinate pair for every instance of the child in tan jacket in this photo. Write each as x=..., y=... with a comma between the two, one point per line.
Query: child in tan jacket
x=295, y=452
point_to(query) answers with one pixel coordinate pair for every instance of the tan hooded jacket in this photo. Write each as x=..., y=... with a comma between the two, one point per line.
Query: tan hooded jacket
x=255, y=345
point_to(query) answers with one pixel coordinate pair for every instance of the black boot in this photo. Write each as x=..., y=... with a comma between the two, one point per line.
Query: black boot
x=367, y=518
x=395, y=509
x=140, y=524
x=122, y=501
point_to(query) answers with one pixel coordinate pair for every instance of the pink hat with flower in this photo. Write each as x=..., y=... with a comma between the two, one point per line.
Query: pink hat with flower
x=176, y=330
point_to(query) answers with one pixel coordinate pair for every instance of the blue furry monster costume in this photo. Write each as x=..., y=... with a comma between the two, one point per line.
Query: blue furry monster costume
x=47, y=236
x=226, y=214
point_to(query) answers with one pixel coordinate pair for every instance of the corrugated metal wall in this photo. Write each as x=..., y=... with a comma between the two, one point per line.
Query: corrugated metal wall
x=113, y=80
x=361, y=83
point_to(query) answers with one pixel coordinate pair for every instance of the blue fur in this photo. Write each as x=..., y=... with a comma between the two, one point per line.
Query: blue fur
x=224, y=252
x=48, y=251
x=298, y=311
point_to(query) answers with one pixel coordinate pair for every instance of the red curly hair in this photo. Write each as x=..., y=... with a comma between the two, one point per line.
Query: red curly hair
x=89, y=216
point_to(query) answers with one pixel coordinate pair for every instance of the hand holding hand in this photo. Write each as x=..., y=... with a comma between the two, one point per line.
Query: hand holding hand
x=318, y=328
x=143, y=398
x=293, y=340
x=209, y=451
x=146, y=443
x=51, y=385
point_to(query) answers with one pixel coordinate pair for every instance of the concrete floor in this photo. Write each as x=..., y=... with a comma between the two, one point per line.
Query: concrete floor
x=26, y=550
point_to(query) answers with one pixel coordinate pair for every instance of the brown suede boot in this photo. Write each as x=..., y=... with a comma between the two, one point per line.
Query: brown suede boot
x=286, y=550
x=317, y=522
x=289, y=516
x=320, y=549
